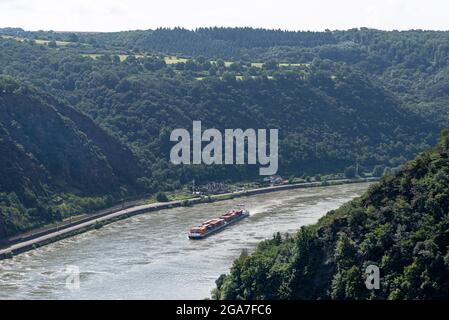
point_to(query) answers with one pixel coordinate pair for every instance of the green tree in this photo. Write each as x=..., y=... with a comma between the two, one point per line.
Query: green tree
x=378, y=171
x=161, y=197
x=350, y=172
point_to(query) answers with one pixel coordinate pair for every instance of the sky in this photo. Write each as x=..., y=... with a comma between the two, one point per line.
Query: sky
x=315, y=15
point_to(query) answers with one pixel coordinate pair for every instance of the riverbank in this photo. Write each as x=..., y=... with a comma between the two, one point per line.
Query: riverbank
x=150, y=256
x=35, y=240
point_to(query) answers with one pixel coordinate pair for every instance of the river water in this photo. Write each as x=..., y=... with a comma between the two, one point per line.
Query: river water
x=150, y=256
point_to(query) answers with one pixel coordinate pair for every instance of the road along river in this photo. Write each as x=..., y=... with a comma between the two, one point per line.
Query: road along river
x=150, y=256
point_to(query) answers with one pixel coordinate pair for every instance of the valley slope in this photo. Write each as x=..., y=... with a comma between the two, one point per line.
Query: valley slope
x=53, y=156
x=400, y=225
x=356, y=102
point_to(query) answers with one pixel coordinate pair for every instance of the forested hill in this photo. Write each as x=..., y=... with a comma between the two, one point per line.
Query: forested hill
x=50, y=151
x=330, y=116
x=229, y=43
x=358, y=102
x=401, y=225
x=413, y=64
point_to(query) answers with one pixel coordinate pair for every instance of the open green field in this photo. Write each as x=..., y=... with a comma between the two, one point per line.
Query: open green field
x=91, y=55
x=174, y=60
x=38, y=41
x=58, y=43
x=257, y=65
x=286, y=65
x=170, y=60
x=122, y=57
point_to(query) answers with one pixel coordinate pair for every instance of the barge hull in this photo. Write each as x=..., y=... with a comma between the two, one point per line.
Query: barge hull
x=218, y=229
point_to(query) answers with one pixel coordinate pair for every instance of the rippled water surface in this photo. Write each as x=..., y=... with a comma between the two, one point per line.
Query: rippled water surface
x=150, y=256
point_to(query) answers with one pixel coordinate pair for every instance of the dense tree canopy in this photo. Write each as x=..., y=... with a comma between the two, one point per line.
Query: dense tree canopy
x=49, y=152
x=401, y=225
x=345, y=102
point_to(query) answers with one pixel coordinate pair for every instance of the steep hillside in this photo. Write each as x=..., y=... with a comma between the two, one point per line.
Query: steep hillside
x=401, y=225
x=342, y=100
x=49, y=148
x=330, y=116
x=413, y=64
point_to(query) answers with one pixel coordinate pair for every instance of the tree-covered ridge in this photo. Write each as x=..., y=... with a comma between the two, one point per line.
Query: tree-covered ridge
x=52, y=154
x=413, y=64
x=401, y=225
x=212, y=42
x=342, y=100
x=330, y=115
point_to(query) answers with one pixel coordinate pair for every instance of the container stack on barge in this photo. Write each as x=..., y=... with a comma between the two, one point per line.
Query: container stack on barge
x=214, y=225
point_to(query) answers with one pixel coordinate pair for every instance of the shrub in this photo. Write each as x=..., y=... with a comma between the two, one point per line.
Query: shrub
x=161, y=197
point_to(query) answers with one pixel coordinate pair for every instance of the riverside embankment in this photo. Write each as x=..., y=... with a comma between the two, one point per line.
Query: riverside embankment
x=43, y=237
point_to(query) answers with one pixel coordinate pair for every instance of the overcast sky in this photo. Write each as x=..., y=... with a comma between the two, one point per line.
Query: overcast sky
x=116, y=15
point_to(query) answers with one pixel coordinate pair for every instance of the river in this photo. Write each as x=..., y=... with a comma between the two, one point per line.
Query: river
x=150, y=256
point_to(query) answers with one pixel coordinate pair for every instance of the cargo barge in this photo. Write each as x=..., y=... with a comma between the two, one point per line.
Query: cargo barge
x=215, y=225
